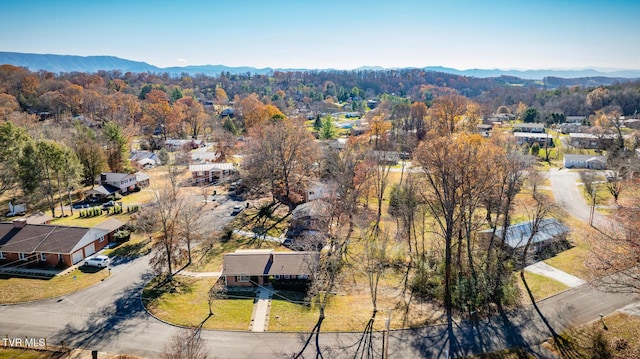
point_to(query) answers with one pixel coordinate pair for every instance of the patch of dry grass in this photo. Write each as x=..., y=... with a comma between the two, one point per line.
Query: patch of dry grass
x=184, y=302
x=16, y=290
x=541, y=287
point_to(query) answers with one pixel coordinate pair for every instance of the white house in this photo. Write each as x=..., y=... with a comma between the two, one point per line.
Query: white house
x=145, y=159
x=585, y=161
x=124, y=182
x=212, y=172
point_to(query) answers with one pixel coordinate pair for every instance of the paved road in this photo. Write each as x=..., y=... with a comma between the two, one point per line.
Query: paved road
x=109, y=317
x=568, y=196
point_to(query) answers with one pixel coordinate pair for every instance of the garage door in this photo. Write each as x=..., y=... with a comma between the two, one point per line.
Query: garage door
x=90, y=249
x=76, y=257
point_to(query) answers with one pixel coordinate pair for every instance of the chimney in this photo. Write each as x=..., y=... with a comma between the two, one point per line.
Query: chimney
x=19, y=223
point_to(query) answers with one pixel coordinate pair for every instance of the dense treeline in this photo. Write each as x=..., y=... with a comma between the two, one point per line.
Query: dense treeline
x=112, y=95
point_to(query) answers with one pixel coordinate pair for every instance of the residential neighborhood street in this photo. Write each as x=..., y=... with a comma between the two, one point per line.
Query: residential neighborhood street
x=567, y=195
x=109, y=317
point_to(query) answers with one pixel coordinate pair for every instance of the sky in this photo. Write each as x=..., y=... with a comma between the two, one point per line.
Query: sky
x=339, y=34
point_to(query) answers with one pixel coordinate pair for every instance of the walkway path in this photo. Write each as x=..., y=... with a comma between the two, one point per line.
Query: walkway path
x=261, y=310
x=546, y=270
x=199, y=274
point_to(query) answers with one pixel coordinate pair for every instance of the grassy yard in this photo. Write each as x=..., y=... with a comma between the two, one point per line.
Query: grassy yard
x=88, y=222
x=573, y=260
x=184, y=302
x=16, y=290
x=615, y=337
x=136, y=246
x=541, y=287
x=13, y=353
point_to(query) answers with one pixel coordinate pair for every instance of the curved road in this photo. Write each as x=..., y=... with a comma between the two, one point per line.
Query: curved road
x=564, y=184
x=109, y=317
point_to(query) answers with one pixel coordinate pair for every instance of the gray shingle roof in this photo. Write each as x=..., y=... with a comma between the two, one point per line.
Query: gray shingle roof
x=518, y=234
x=269, y=263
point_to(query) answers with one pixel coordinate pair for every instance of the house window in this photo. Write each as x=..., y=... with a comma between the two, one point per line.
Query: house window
x=2, y=255
x=303, y=276
x=242, y=279
x=277, y=276
x=286, y=276
x=101, y=239
x=43, y=257
x=22, y=257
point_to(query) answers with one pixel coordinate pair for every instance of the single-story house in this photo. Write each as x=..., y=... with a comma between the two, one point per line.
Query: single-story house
x=575, y=119
x=202, y=157
x=246, y=268
x=212, y=172
x=592, y=141
x=176, y=145
x=531, y=138
x=142, y=179
x=312, y=216
x=549, y=231
x=529, y=127
x=145, y=159
x=585, y=161
x=23, y=244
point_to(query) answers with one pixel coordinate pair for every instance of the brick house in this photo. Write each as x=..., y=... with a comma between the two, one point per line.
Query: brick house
x=247, y=268
x=23, y=244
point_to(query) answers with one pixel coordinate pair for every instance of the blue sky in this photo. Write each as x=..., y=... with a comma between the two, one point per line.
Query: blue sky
x=341, y=34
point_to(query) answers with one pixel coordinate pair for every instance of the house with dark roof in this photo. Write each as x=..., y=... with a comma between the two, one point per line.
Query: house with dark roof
x=23, y=244
x=259, y=267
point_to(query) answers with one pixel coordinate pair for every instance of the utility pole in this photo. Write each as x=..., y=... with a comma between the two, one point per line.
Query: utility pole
x=593, y=206
x=385, y=337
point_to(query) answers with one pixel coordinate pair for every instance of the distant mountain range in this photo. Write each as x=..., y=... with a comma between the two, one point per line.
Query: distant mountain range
x=91, y=64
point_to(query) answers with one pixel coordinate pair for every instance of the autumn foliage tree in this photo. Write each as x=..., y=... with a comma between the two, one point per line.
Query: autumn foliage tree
x=280, y=155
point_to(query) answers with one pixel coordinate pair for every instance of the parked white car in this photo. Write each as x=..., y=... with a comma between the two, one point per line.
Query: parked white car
x=97, y=261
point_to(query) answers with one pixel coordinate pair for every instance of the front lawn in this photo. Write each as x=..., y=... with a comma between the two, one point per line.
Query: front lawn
x=541, y=287
x=15, y=353
x=16, y=290
x=184, y=302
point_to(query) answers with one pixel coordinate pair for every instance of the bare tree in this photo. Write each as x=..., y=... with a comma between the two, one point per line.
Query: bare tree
x=189, y=222
x=217, y=291
x=186, y=344
x=280, y=155
x=589, y=184
x=615, y=254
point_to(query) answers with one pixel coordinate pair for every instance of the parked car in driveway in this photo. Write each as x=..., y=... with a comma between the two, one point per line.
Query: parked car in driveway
x=108, y=204
x=236, y=210
x=97, y=261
